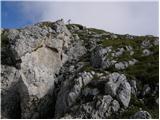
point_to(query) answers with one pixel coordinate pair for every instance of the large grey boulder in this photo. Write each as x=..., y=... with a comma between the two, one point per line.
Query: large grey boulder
x=76, y=50
x=98, y=57
x=141, y=115
x=118, y=87
x=70, y=91
x=37, y=71
x=33, y=37
x=40, y=53
x=124, y=93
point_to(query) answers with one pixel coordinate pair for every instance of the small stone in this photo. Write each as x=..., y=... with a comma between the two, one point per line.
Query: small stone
x=92, y=72
x=157, y=101
x=146, y=52
x=146, y=90
x=141, y=115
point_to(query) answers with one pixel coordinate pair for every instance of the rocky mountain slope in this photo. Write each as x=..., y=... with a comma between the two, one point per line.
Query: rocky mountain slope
x=53, y=70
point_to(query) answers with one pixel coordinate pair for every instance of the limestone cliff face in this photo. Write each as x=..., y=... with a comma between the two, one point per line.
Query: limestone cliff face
x=53, y=70
x=38, y=55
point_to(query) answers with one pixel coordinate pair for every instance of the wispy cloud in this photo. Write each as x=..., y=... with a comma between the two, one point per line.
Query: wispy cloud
x=138, y=18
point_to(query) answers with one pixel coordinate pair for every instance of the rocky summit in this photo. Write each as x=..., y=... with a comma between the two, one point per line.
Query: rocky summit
x=58, y=70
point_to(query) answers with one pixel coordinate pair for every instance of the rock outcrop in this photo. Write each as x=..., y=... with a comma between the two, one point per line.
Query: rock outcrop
x=54, y=70
x=39, y=55
x=70, y=91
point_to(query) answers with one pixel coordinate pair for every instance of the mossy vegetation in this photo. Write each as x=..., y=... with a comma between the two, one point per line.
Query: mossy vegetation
x=87, y=68
x=47, y=24
x=4, y=39
x=136, y=105
x=115, y=43
x=97, y=31
x=129, y=112
x=81, y=27
x=133, y=109
x=83, y=35
x=155, y=50
x=140, y=39
x=70, y=26
x=147, y=69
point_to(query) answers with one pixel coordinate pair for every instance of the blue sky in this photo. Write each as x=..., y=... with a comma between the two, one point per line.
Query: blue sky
x=13, y=15
x=138, y=18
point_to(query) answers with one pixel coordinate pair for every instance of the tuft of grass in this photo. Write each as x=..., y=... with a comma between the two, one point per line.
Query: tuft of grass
x=87, y=68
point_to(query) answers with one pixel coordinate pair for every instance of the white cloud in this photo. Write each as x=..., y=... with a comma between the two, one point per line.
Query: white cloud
x=138, y=18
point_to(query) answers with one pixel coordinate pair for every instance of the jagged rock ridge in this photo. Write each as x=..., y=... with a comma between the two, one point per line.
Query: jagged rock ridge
x=53, y=70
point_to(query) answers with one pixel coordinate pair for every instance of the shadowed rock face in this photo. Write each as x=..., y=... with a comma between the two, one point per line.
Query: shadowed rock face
x=53, y=70
x=10, y=101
